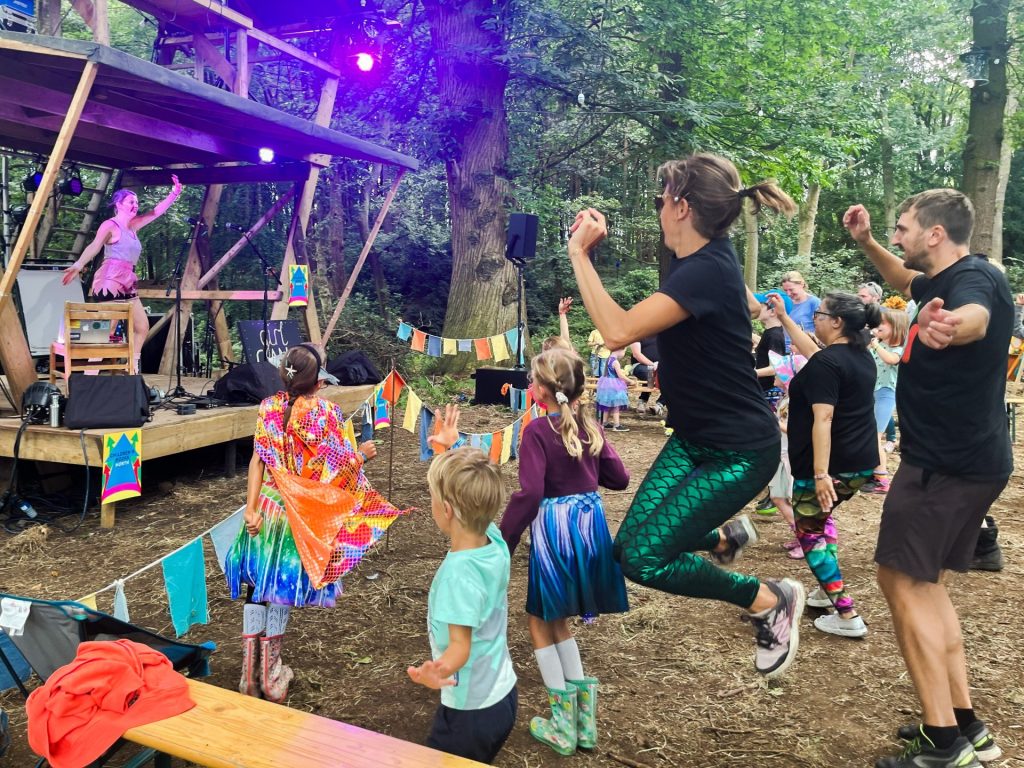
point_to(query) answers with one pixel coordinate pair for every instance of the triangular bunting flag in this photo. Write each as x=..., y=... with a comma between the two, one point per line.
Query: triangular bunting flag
x=393, y=385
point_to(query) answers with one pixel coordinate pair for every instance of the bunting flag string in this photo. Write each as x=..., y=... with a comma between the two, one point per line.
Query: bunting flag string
x=501, y=346
x=184, y=569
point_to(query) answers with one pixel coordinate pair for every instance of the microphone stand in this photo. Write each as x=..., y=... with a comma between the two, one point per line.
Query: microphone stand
x=268, y=271
x=175, y=282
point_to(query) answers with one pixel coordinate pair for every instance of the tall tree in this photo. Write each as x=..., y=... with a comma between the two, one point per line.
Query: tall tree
x=983, y=148
x=469, y=40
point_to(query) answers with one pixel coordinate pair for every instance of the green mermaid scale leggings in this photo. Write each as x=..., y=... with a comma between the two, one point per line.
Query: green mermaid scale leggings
x=689, y=492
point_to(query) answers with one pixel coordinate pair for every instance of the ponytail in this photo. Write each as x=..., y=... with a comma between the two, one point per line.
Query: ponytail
x=561, y=372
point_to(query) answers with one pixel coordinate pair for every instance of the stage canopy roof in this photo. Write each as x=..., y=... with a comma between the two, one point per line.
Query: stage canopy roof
x=141, y=115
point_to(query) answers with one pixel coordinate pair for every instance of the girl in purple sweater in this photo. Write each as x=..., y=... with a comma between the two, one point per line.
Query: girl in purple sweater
x=562, y=460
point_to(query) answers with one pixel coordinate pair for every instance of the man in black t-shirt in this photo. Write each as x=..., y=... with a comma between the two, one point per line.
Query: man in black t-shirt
x=956, y=457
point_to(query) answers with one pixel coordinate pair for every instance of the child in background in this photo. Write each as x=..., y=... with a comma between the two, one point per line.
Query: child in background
x=467, y=607
x=562, y=461
x=887, y=349
x=599, y=353
x=612, y=392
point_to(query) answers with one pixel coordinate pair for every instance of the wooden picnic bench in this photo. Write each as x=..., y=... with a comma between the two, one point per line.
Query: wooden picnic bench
x=226, y=729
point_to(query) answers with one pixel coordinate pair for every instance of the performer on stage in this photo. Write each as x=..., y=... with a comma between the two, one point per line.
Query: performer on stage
x=118, y=238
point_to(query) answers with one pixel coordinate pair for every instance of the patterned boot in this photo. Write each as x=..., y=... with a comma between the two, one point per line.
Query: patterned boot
x=559, y=732
x=276, y=675
x=250, y=682
x=586, y=712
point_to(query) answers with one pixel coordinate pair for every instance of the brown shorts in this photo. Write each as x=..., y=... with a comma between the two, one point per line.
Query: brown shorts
x=930, y=521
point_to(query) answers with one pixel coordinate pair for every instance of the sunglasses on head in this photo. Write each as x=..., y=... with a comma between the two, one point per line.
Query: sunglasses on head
x=659, y=201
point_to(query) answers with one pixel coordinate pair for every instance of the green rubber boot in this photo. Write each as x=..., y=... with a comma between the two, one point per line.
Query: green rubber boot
x=558, y=732
x=586, y=712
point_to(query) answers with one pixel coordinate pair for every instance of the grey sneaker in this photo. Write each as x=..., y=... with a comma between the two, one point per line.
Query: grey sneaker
x=922, y=753
x=819, y=599
x=977, y=733
x=777, y=631
x=834, y=624
x=738, y=533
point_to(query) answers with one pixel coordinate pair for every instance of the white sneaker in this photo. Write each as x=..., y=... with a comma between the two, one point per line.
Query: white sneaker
x=833, y=624
x=818, y=599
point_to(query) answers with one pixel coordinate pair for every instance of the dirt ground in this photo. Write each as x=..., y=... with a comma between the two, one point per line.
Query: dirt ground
x=677, y=682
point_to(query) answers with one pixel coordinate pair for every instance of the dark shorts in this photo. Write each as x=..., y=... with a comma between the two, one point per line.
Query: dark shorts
x=476, y=734
x=930, y=521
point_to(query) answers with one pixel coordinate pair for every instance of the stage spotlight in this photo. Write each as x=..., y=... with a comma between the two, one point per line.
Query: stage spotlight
x=266, y=155
x=31, y=182
x=365, y=62
x=72, y=184
x=18, y=214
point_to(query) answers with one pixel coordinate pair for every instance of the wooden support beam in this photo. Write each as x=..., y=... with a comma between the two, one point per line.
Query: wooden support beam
x=362, y=256
x=213, y=57
x=160, y=293
x=296, y=53
x=35, y=211
x=101, y=23
x=221, y=174
x=242, y=242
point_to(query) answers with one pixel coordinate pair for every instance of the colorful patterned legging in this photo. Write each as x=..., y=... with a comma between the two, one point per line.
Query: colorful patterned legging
x=689, y=492
x=817, y=534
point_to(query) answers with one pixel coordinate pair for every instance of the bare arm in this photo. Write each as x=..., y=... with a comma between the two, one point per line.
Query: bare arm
x=438, y=673
x=939, y=328
x=753, y=304
x=821, y=444
x=160, y=209
x=90, y=251
x=858, y=222
x=253, y=518
x=638, y=356
x=618, y=326
x=886, y=356
x=802, y=340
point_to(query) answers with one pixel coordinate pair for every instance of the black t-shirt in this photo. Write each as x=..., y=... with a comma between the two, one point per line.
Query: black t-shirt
x=842, y=376
x=706, y=378
x=951, y=401
x=649, y=348
x=772, y=340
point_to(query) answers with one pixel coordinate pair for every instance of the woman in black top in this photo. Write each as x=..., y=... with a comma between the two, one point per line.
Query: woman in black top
x=832, y=444
x=725, y=445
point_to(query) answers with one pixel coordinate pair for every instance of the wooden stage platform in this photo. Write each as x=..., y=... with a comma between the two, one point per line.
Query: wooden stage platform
x=166, y=435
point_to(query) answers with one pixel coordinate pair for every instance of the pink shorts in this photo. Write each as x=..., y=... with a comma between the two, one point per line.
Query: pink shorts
x=115, y=280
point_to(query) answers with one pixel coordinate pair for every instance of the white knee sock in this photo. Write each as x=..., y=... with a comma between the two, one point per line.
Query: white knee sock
x=569, y=656
x=277, y=619
x=254, y=618
x=550, y=667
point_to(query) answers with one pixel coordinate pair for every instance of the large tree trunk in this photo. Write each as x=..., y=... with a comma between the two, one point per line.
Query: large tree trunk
x=805, y=222
x=467, y=42
x=983, y=148
x=1005, y=159
x=752, y=247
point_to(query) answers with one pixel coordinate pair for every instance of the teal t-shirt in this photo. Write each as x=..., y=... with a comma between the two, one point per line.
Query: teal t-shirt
x=886, y=373
x=470, y=589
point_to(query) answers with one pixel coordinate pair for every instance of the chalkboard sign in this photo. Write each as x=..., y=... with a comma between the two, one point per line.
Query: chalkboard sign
x=281, y=336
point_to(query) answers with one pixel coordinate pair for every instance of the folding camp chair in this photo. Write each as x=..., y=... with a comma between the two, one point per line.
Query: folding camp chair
x=55, y=628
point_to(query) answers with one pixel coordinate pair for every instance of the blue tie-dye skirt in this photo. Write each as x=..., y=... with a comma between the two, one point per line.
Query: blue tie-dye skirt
x=572, y=569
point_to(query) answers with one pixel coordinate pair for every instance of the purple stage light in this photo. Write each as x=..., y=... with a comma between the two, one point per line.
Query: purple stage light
x=266, y=155
x=364, y=61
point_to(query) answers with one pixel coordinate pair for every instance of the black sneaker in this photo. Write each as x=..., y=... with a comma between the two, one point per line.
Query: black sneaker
x=738, y=533
x=922, y=753
x=977, y=733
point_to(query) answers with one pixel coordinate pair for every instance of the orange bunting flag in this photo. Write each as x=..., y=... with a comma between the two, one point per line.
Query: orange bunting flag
x=495, y=454
x=483, y=349
x=393, y=385
x=419, y=339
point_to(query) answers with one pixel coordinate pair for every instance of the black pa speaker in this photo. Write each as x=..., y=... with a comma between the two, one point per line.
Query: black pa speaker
x=522, y=237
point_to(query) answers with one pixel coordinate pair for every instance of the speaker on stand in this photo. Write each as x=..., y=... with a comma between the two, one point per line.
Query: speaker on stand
x=520, y=247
